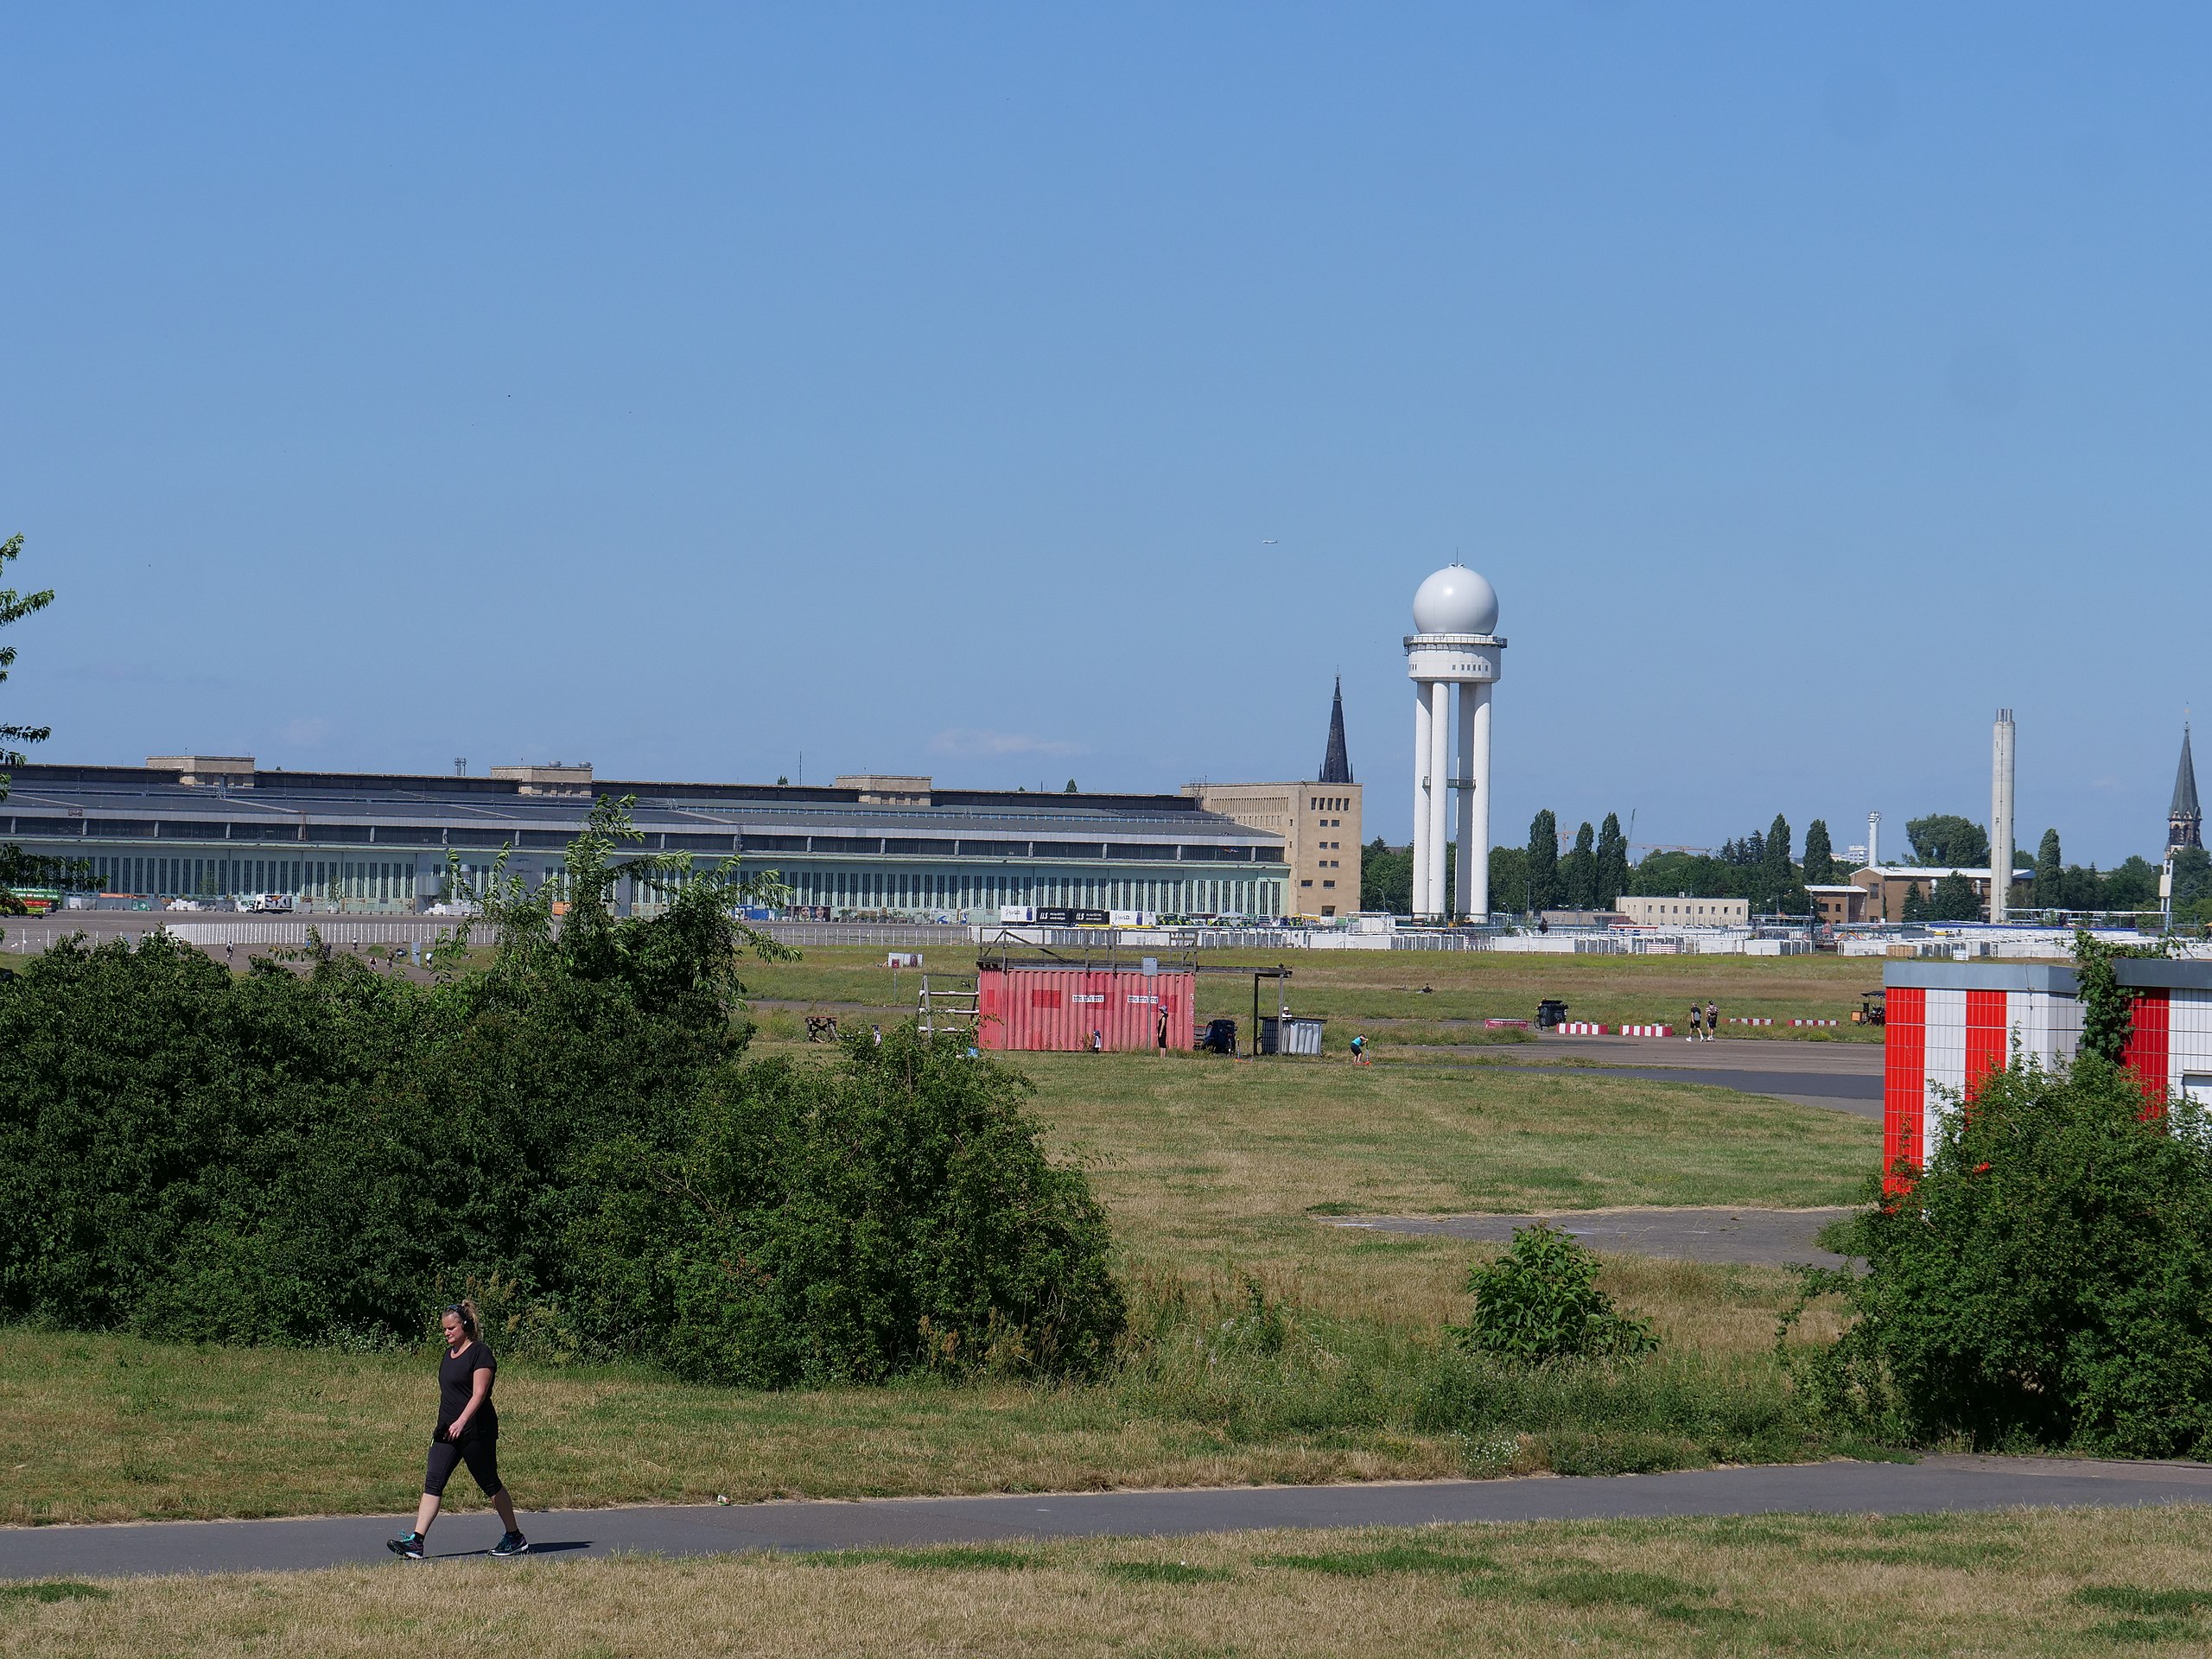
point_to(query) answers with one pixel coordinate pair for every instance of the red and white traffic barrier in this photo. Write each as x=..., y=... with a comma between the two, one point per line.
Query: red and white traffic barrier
x=1816, y=1022
x=1733, y=1021
x=1647, y=1031
x=1579, y=1028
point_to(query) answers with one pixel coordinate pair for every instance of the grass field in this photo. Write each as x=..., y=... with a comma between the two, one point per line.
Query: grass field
x=2044, y=1583
x=1214, y=1173
x=1378, y=989
x=1224, y=1166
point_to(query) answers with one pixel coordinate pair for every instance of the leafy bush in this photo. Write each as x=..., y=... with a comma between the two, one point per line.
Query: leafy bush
x=821, y=1224
x=2048, y=1281
x=1540, y=1301
x=329, y=1155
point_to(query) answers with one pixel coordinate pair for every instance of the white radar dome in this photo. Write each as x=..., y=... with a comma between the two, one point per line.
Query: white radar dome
x=1455, y=601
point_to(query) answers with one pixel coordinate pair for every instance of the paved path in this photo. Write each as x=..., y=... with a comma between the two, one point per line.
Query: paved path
x=1936, y=1483
x=1764, y=1238
x=1751, y=1053
x=1859, y=1094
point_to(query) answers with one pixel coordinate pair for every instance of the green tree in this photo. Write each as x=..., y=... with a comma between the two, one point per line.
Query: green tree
x=1578, y=871
x=2049, y=1283
x=1612, y=862
x=1070, y=789
x=1386, y=878
x=1820, y=856
x=2131, y=884
x=1509, y=877
x=2082, y=888
x=2192, y=878
x=20, y=869
x=14, y=608
x=1780, y=887
x=283, y=1157
x=1953, y=899
x=2048, y=893
x=1944, y=838
x=1915, y=908
x=1543, y=861
x=1695, y=874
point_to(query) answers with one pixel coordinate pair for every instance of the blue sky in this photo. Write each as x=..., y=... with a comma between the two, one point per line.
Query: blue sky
x=1014, y=393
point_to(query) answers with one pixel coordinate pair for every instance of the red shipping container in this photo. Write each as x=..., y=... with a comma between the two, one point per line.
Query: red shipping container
x=1046, y=1008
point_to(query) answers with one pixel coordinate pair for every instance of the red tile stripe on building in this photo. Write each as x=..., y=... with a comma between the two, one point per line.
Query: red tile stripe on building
x=1986, y=1028
x=2148, y=1044
x=1904, y=1082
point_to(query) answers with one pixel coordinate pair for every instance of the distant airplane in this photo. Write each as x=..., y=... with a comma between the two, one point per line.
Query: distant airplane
x=1270, y=542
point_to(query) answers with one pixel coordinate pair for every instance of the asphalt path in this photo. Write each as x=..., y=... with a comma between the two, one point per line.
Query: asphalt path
x=1857, y=1093
x=1746, y=1237
x=1932, y=1485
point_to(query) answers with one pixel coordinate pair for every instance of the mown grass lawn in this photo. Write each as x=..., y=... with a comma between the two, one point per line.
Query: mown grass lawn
x=2045, y=1583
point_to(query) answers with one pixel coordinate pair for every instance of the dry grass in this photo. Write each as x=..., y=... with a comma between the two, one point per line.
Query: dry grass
x=1224, y=1166
x=1212, y=1172
x=111, y=1428
x=2056, y=1583
x=106, y=1428
x=1371, y=985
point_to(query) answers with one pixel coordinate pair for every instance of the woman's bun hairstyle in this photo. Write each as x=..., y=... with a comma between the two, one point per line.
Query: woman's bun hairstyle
x=464, y=1310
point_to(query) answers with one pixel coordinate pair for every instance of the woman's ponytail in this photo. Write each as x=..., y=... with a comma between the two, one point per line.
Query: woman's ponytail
x=464, y=1310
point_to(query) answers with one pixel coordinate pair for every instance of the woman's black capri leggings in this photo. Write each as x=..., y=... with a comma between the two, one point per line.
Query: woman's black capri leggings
x=479, y=1452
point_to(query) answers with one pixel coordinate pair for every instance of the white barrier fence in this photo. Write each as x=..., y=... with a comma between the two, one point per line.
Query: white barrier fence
x=342, y=933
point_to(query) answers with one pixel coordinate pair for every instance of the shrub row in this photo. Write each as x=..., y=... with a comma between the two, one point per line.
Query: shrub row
x=329, y=1154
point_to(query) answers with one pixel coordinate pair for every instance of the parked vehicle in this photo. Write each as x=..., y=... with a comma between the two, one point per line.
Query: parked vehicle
x=268, y=904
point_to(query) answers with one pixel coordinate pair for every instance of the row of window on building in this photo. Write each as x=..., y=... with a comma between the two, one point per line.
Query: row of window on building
x=223, y=877
x=951, y=890
x=394, y=885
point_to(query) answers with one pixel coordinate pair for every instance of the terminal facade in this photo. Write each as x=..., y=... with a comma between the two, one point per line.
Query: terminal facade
x=219, y=827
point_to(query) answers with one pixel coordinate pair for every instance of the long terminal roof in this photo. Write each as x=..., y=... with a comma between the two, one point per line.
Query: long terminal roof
x=52, y=798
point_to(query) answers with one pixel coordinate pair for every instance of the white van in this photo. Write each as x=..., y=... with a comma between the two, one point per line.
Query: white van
x=268, y=904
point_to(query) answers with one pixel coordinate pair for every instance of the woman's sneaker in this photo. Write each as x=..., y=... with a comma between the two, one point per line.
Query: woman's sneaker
x=510, y=1543
x=407, y=1544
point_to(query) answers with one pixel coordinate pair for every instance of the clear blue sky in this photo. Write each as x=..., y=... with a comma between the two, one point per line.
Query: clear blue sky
x=1011, y=393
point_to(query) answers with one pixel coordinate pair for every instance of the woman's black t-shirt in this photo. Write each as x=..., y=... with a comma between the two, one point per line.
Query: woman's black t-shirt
x=457, y=1381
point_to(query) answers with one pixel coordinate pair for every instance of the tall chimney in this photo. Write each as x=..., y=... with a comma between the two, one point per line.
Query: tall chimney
x=1873, y=840
x=2000, y=816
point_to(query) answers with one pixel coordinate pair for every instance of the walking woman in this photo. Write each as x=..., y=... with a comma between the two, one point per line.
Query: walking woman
x=467, y=1432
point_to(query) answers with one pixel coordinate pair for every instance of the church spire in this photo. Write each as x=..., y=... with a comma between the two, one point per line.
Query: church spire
x=2184, y=819
x=1336, y=765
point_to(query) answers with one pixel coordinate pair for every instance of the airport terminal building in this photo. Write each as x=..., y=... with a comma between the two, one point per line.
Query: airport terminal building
x=217, y=827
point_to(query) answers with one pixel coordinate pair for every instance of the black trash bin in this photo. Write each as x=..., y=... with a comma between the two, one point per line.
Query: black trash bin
x=1550, y=1013
x=1219, y=1038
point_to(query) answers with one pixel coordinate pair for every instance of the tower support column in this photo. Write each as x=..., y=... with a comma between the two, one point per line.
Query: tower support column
x=1474, y=801
x=1440, y=793
x=1421, y=718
